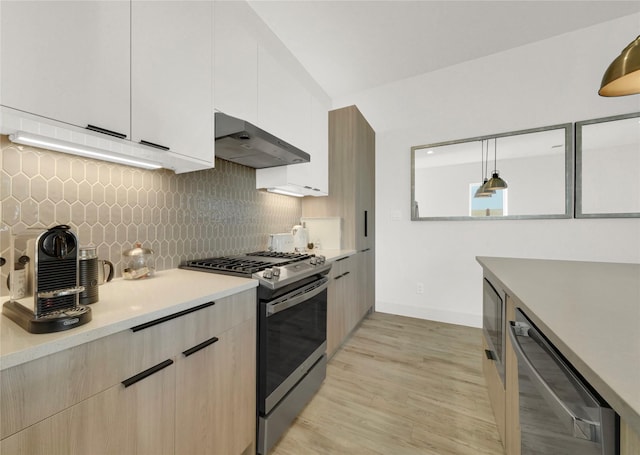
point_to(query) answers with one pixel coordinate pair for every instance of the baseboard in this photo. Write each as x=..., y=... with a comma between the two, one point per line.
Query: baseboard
x=432, y=314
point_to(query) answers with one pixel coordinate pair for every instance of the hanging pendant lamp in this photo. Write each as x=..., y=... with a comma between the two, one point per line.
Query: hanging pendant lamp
x=482, y=190
x=623, y=75
x=495, y=183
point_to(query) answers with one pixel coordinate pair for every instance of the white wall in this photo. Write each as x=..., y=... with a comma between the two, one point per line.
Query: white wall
x=550, y=82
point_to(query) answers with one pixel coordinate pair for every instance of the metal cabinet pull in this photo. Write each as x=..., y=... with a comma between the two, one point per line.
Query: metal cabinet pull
x=151, y=144
x=97, y=129
x=146, y=373
x=200, y=346
x=146, y=325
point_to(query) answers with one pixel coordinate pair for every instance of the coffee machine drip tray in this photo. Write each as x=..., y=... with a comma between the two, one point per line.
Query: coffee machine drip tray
x=51, y=322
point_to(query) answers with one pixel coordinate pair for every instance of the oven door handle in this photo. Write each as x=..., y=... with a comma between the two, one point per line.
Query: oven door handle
x=582, y=428
x=297, y=297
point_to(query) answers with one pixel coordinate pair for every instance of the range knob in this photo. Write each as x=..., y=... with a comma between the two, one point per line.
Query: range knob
x=267, y=274
x=276, y=272
x=313, y=261
x=321, y=259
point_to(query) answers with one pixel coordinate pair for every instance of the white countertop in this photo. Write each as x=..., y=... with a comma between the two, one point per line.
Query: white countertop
x=591, y=312
x=333, y=255
x=122, y=305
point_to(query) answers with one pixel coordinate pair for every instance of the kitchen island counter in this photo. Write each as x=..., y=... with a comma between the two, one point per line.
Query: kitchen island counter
x=122, y=305
x=591, y=312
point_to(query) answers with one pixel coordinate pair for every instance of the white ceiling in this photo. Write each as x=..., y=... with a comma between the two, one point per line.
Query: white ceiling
x=353, y=45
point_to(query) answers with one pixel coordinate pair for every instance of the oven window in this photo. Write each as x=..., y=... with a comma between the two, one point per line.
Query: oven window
x=288, y=338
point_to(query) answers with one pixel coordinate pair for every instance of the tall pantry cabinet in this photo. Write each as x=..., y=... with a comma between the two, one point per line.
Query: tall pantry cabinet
x=351, y=197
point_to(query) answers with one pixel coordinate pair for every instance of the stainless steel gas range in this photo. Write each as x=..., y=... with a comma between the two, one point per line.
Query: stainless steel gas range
x=292, y=331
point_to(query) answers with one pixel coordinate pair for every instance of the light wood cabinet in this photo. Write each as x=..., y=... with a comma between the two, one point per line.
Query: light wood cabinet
x=67, y=61
x=496, y=390
x=134, y=420
x=172, y=76
x=351, y=197
x=181, y=384
x=629, y=440
x=340, y=314
x=215, y=394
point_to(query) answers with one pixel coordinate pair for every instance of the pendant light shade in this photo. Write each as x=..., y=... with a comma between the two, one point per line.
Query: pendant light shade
x=623, y=75
x=495, y=182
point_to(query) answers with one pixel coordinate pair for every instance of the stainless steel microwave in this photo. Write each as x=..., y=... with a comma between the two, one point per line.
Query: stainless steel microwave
x=493, y=324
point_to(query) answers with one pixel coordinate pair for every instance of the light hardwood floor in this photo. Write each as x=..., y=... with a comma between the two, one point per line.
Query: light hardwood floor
x=400, y=386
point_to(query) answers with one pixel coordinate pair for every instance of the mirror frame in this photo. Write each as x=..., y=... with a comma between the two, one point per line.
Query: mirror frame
x=578, y=203
x=568, y=176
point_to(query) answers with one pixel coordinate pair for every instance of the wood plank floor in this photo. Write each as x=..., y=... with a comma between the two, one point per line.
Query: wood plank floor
x=400, y=386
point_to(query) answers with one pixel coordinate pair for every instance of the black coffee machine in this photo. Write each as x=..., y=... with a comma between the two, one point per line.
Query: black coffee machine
x=43, y=281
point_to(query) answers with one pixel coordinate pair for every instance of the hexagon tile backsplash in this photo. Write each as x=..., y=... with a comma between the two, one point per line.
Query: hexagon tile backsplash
x=180, y=216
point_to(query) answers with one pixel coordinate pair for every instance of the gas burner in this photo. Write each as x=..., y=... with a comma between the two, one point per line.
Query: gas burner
x=273, y=269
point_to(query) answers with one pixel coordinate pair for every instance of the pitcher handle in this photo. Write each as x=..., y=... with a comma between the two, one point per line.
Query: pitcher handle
x=111, y=270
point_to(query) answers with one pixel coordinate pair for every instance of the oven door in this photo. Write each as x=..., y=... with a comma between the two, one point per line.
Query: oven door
x=292, y=337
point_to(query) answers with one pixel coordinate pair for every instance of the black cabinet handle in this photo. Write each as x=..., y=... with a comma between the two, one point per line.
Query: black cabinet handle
x=97, y=129
x=365, y=250
x=338, y=277
x=146, y=325
x=346, y=273
x=151, y=144
x=200, y=346
x=146, y=373
x=490, y=355
x=342, y=259
x=366, y=223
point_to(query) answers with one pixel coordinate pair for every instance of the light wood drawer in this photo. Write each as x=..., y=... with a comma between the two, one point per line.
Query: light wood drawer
x=38, y=389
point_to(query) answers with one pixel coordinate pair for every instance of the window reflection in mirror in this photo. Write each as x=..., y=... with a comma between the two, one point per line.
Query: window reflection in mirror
x=608, y=167
x=537, y=165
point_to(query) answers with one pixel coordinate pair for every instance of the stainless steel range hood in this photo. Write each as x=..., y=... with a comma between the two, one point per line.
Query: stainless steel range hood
x=244, y=143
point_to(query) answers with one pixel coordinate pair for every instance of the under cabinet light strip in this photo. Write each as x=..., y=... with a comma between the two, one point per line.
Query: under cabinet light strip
x=21, y=137
x=284, y=192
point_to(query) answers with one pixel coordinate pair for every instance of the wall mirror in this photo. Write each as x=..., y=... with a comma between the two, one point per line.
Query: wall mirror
x=537, y=165
x=608, y=167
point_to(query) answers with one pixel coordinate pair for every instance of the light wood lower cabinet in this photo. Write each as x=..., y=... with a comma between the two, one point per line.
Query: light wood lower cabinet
x=215, y=395
x=496, y=390
x=183, y=385
x=629, y=440
x=340, y=300
x=350, y=296
x=134, y=420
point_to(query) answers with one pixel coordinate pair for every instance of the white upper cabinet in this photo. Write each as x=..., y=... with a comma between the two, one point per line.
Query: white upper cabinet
x=67, y=61
x=288, y=110
x=172, y=76
x=284, y=105
x=235, y=63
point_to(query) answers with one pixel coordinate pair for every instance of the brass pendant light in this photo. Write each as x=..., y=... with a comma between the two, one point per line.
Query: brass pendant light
x=623, y=75
x=482, y=190
x=495, y=183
